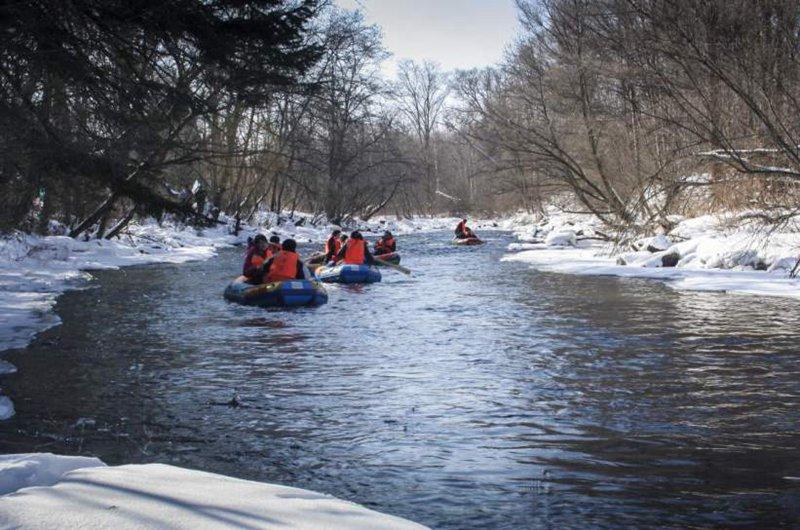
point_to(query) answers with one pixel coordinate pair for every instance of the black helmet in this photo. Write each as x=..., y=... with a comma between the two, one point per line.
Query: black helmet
x=355, y=234
x=289, y=245
x=275, y=239
x=260, y=237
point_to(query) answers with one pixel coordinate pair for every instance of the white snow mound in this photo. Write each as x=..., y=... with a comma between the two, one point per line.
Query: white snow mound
x=163, y=496
x=561, y=238
x=38, y=469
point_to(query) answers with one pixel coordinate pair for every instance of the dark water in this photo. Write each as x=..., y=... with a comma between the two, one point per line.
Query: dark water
x=475, y=394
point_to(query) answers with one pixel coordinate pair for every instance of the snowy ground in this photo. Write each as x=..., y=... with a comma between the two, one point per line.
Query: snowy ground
x=708, y=253
x=45, y=491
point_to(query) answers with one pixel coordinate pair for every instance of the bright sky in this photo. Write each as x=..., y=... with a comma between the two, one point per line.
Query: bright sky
x=454, y=33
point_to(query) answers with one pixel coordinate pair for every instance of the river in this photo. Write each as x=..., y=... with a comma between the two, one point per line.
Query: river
x=474, y=394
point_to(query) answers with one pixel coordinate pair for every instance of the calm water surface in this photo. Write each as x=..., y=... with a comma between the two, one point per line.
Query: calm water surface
x=475, y=394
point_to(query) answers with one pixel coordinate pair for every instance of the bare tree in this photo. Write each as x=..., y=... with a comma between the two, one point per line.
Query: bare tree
x=421, y=92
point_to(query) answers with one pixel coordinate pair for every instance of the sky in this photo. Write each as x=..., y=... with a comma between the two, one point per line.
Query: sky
x=454, y=33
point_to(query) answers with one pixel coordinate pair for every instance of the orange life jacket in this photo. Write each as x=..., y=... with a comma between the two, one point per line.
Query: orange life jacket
x=284, y=266
x=355, y=251
x=257, y=260
x=462, y=227
x=336, y=243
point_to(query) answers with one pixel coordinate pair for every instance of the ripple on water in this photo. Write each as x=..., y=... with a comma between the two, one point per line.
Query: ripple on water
x=474, y=394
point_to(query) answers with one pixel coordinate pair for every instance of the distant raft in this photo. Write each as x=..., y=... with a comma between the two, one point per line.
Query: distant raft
x=290, y=293
x=391, y=257
x=468, y=241
x=348, y=273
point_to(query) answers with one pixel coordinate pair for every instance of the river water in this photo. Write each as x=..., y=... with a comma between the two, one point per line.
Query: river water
x=474, y=394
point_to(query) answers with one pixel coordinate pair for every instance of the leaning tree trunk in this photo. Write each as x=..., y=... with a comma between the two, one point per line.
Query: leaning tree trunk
x=120, y=226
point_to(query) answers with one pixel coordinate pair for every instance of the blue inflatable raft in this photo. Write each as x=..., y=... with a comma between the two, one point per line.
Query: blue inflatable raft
x=290, y=293
x=347, y=273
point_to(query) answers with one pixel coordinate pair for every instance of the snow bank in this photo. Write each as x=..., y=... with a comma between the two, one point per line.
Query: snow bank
x=561, y=238
x=38, y=469
x=706, y=253
x=163, y=496
x=35, y=270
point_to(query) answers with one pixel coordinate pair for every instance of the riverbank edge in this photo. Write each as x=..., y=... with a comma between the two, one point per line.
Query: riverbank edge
x=713, y=253
x=43, y=490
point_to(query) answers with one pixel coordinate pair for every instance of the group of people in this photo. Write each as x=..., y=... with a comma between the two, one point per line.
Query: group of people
x=337, y=243
x=270, y=260
x=463, y=231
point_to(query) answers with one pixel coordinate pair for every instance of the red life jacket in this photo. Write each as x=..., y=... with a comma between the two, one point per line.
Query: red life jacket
x=284, y=266
x=462, y=227
x=355, y=251
x=336, y=243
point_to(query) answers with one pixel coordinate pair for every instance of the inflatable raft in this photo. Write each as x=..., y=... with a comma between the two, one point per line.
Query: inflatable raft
x=347, y=273
x=468, y=241
x=391, y=257
x=290, y=293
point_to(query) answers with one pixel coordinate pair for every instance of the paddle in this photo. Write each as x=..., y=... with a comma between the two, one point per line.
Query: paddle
x=393, y=266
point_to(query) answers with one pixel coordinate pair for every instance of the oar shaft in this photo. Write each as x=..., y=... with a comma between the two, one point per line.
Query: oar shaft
x=393, y=266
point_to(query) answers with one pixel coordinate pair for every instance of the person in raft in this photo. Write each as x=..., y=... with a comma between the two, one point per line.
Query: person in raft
x=386, y=244
x=285, y=265
x=274, y=245
x=355, y=251
x=463, y=231
x=333, y=245
x=257, y=254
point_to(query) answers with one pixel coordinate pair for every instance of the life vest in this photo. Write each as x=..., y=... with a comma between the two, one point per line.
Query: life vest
x=337, y=244
x=273, y=249
x=462, y=227
x=284, y=266
x=355, y=251
x=257, y=260
x=385, y=246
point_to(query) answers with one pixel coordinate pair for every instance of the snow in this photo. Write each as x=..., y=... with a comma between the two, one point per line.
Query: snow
x=655, y=243
x=38, y=469
x=70, y=495
x=6, y=408
x=712, y=253
x=561, y=238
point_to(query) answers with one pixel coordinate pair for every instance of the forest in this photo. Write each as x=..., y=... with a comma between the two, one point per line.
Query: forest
x=634, y=110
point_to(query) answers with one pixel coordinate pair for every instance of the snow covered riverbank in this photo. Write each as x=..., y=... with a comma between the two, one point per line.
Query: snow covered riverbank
x=45, y=491
x=706, y=253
